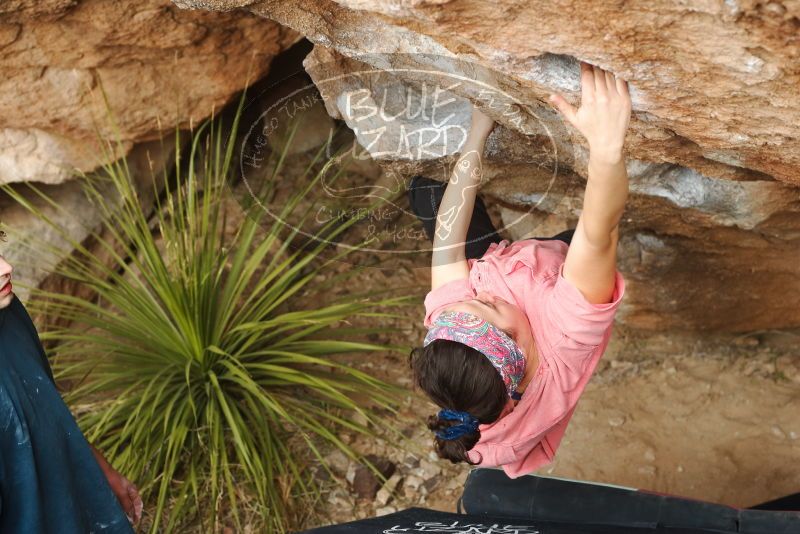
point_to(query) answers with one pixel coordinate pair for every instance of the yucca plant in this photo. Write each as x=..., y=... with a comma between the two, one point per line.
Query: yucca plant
x=197, y=375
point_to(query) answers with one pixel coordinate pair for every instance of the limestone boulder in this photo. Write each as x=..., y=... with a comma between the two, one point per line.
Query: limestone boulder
x=714, y=84
x=711, y=234
x=700, y=252
x=77, y=71
x=35, y=247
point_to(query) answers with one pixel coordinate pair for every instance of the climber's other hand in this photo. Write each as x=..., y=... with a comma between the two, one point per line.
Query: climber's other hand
x=482, y=124
x=605, y=110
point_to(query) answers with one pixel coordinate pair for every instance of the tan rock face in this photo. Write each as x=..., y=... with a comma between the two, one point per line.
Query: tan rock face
x=712, y=230
x=157, y=64
x=715, y=84
x=34, y=248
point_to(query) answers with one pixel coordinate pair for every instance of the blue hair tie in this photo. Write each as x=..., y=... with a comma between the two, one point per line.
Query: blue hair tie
x=468, y=424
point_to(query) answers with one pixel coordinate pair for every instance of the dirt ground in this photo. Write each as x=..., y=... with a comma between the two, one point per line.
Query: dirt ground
x=715, y=426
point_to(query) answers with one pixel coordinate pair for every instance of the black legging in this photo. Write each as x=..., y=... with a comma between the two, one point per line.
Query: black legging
x=787, y=503
x=425, y=195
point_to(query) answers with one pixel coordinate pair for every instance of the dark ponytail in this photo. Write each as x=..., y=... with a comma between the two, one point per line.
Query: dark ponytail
x=458, y=377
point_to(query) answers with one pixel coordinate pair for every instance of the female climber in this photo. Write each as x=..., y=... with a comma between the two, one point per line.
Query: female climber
x=515, y=330
x=51, y=479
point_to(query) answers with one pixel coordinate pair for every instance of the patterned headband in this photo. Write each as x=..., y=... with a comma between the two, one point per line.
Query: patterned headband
x=501, y=351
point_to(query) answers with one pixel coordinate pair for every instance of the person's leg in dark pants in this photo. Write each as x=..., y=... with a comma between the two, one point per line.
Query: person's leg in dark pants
x=565, y=236
x=425, y=195
x=787, y=503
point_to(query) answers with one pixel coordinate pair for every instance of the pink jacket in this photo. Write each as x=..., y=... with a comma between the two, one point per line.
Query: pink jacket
x=570, y=333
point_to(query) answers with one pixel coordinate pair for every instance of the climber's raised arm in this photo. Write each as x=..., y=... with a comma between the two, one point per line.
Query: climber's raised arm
x=448, y=261
x=603, y=120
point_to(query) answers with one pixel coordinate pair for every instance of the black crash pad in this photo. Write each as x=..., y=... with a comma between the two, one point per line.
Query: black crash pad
x=422, y=521
x=496, y=504
x=490, y=491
